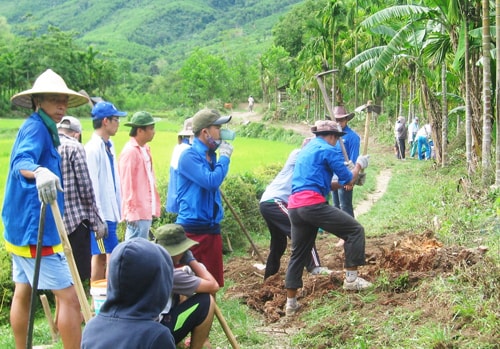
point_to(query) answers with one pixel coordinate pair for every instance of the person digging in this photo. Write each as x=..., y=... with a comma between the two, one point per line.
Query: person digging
x=309, y=210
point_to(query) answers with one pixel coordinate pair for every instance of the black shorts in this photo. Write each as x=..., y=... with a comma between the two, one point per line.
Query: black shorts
x=80, y=245
x=194, y=310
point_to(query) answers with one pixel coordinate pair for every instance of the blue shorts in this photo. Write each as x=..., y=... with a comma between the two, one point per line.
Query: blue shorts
x=106, y=245
x=54, y=271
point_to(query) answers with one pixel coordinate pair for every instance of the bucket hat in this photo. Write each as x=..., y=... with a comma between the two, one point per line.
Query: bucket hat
x=208, y=117
x=48, y=82
x=187, y=131
x=339, y=112
x=70, y=123
x=105, y=109
x=327, y=126
x=173, y=238
x=141, y=119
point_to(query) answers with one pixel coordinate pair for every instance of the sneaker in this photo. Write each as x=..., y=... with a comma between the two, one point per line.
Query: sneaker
x=321, y=271
x=291, y=311
x=356, y=285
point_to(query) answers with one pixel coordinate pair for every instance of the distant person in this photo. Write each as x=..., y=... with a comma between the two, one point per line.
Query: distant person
x=34, y=176
x=184, y=140
x=412, y=136
x=200, y=176
x=103, y=169
x=423, y=136
x=140, y=198
x=81, y=215
x=251, y=102
x=400, y=133
x=139, y=283
x=342, y=197
x=192, y=315
x=309, y=210
x=273, y=207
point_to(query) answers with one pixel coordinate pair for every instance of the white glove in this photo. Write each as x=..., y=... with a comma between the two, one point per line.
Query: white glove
x=363, y=161
x=101, y=231
x=225, y=149
x=187, y=269
x=47, y=184
x=349, y=165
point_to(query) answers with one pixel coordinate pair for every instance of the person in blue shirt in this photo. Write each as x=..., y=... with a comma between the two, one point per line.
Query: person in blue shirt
x=200, y=175
x=342, y=197
x=309, y=209
x=34, y=176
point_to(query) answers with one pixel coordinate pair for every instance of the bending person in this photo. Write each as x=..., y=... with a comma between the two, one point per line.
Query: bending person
x=195, y=313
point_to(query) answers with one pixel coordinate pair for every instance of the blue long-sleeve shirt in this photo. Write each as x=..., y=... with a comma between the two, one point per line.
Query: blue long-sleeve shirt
x=315, y=166
x=352, y=142
x=32, y=148
x=198, y=194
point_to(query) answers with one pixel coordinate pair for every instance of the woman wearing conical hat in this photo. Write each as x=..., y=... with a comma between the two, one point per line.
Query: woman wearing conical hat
x=35, y=176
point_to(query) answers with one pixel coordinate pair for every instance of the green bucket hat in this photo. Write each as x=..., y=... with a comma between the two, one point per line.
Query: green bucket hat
x=173, y=238
x=141, y=119
x=208, y=117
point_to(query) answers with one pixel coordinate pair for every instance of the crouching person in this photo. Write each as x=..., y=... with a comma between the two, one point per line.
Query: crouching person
x=192, y=304
x=140, y=280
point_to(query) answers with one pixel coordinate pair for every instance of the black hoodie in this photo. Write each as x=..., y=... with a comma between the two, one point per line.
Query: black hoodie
x=139, y=284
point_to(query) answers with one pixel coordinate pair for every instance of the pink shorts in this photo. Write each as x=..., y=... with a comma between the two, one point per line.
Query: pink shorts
x=209, y=252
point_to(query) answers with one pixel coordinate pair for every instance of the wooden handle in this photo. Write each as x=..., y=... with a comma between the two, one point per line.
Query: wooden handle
x=82, y=298
x=226, y=328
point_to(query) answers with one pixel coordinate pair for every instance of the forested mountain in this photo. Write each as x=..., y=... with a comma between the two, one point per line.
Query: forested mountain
x=145, y=30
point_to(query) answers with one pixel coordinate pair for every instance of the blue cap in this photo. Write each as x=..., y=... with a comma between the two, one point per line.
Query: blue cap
x=105, y=110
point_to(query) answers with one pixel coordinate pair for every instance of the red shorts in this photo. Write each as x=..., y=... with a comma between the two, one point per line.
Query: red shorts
x=209, y=253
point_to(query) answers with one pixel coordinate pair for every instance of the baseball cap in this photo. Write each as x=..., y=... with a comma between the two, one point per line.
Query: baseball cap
x=70, y=123
x=142, y=118
x=208, y=117
x=173, y=238
x=105, y=110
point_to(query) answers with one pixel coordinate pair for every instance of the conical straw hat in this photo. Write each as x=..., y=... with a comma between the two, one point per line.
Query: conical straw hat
x=49, y=82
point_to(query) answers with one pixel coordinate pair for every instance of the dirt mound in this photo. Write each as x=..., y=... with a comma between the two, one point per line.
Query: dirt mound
x=403, y=258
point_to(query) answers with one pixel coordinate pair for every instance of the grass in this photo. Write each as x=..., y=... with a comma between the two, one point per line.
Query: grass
x=453, y=311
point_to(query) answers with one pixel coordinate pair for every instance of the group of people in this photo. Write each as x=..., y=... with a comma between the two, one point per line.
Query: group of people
x=419, y=139
x=94, y=191
x=172, y=281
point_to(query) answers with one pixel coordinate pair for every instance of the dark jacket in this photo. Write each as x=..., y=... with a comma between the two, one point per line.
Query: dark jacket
x=139, y=284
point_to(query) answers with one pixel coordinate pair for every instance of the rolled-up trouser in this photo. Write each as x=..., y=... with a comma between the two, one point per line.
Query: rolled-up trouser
x=305, y=223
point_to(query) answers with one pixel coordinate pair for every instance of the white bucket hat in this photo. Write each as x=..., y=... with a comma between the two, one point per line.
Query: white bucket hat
x=49, y=82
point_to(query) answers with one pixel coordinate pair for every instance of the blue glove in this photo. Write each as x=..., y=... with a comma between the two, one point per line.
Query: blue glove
x=187, y=258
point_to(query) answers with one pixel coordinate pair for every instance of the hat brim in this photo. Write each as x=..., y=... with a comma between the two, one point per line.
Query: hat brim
x=349, y=116
x=185, y=133
x=177, y=249
x=130, y=124
x=222, y=120
x=23, y=99
x=340, y=134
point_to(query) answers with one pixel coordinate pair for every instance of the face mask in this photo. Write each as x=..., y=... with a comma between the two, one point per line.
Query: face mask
x=212, y=143
x=227, y=135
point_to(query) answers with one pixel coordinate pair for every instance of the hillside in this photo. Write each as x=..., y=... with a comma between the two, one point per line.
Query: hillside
x=144, y=31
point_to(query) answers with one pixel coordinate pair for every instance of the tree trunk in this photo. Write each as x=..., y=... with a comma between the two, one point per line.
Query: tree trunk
x=435, y=119
x=497, y=94
x=486, y=151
